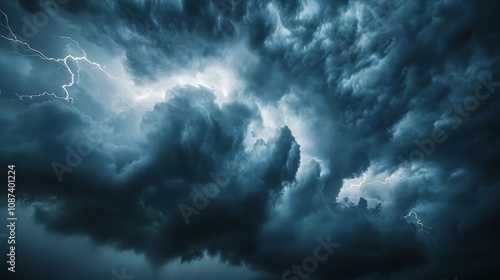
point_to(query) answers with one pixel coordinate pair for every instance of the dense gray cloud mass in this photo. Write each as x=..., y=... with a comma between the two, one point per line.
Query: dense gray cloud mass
x=303, y=139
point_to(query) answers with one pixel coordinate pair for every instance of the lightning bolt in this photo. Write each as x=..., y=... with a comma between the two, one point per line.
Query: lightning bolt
x=423, y=227
x=74, y=77
x=367, y=183
x=419, y=222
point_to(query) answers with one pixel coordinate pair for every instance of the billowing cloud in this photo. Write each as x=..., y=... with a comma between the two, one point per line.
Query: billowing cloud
x=251, y=133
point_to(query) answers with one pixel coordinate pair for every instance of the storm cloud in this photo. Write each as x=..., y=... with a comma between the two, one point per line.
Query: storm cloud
x=230, y=139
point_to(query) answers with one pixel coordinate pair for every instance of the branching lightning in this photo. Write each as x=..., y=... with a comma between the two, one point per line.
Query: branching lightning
x=419, y=222
x=367, y=183
x=423, y=227
x=74, y=77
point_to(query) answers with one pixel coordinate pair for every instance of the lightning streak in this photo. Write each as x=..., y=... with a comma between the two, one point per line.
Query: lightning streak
x=423, y=227
x=367, y=183
x=419, y=222
x=76, y=59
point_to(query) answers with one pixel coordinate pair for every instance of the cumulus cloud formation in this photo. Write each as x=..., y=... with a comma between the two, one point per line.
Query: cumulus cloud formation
x=265, y=139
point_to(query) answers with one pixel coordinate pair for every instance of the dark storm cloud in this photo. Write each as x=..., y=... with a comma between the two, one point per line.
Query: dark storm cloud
x=141, y=212
x=157, y=36
x=187, y=138
x=370, y=78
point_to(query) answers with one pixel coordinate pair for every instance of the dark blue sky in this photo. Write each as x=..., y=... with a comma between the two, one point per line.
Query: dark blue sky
x=234, y=139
